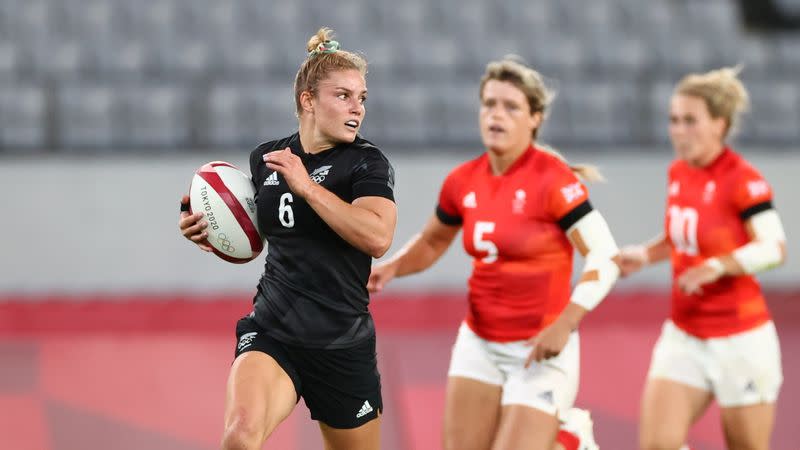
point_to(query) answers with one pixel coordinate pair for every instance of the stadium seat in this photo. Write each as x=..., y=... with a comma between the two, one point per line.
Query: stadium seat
x=212, y=20
x=8, y=61
x=183, y=59
x=557, y=126
x=658, y=95
x=718, y=18
x=437, y=59
x=424, y=50
x=756, y=54
x=22, y=117
x=775, y=112
x=657, y=19
x=404, y=20
x=124, y=60
x=560, y=57
x=249, y=59
x=155, y=116
x=33, y=19
x=355, y=21
x=460, y=104
x=788, y=48
x=86, y=116
x=245, y=115
x=406, y=115
x=613, y=56
x=591, y=18
x=532, y=16
x=682, y=54
x=223, y=122
x=602, y=113
x=92, y=21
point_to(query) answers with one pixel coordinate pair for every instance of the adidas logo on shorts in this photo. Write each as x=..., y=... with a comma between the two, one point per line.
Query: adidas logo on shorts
x=366, y=408
x=272, y=179
x=547, y=396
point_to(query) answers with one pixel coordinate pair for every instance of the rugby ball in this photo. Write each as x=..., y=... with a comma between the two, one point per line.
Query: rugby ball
x=226, y=196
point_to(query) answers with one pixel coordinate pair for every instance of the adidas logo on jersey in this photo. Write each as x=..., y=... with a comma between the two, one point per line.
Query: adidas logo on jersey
x=272, y=179
x=319, y=174
x=470, y=201
x=366, y=408
x=674, y=188
x=547, y=396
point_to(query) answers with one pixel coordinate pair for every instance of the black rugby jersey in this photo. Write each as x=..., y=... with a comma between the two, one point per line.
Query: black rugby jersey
x=313, y=292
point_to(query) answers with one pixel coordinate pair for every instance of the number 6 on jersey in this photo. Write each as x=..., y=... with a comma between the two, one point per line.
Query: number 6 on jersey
x=285, y=213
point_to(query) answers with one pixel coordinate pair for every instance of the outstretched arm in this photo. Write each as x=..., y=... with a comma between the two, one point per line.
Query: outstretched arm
x=766, y=249
x=633, y=258
x=418, y=254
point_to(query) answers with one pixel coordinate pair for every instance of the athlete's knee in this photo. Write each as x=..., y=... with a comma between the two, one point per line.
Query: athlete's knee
x=747, y=444
x=449, y=439
x=448, y=443
x=454, y=440
x=240, y=435
x=663, y=445
x=660, y=440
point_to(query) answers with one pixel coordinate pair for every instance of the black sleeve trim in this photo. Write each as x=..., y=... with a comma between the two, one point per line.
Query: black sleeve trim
x=755, y=209
x=373, y=190
x=447, y=219
x=575, y=215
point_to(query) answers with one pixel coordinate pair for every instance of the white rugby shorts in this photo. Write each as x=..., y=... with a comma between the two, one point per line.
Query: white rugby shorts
x=550, y=385
x=741, y=369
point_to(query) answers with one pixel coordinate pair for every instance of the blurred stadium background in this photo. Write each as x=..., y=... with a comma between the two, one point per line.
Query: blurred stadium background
x=115, y=333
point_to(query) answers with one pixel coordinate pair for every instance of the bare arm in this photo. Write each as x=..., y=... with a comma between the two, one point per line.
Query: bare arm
x=425, y=248
x=418, y=254
x=633, y=258
x=367, y=224
x=658, y=249
x=765, y=250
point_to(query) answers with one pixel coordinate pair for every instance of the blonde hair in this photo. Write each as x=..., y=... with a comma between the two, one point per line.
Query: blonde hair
x=513, y=70
x=722, y=91
x=585, y=172
x=324, y=57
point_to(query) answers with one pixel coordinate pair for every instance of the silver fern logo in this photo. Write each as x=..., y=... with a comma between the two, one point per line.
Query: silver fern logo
x=319, y=174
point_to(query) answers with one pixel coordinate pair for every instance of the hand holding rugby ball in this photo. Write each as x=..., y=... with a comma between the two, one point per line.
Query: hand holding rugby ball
x=226, y=197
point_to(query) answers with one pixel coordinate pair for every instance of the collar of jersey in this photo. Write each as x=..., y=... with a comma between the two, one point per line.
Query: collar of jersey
x=297, y=148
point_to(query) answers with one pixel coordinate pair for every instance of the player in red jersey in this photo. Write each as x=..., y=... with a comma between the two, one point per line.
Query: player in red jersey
x=720, y=228
x=514, y=368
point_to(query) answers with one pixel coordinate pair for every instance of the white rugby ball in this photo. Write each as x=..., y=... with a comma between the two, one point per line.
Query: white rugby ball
x=226, y=196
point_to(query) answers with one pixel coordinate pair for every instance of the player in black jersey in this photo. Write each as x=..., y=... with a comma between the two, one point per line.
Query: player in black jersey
x=326, y=206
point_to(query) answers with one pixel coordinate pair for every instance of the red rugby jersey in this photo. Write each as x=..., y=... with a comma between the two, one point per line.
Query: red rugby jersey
x=706, y=213
x=513, y=227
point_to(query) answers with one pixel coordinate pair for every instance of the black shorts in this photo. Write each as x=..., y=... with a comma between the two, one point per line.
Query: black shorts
x=341, y=387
